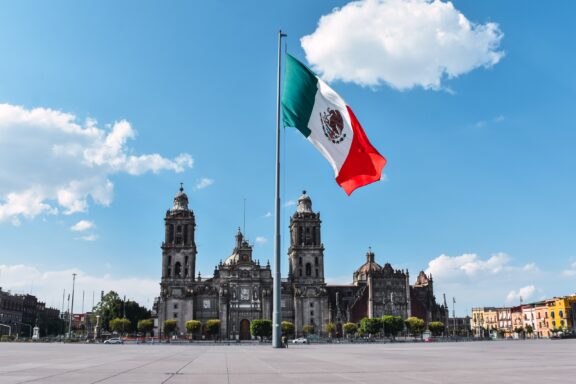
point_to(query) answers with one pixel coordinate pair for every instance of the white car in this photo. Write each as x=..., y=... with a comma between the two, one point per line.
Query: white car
x=300, y=340
x=115, y=340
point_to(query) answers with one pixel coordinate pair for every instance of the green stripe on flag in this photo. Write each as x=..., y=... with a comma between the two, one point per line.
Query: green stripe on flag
x=300, y=87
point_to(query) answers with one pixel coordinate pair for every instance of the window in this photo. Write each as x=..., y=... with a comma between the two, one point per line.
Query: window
x=178, y=270
x=308, y=269
x=168, y=272
x=179, y=229
x=560, y=314
x=311, y=313
x=316, y=272
x=300, y=272
x=300, y=261
x=185, y=272
x=186, y=260
x=311, y=305
x=175, y=315
x=169, y=259
x=316, y=261
x=175, y=306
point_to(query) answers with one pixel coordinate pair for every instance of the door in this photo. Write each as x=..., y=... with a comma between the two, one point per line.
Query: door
x=245, y=330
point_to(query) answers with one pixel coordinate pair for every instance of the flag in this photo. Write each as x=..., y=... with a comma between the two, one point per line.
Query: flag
x=321, y=115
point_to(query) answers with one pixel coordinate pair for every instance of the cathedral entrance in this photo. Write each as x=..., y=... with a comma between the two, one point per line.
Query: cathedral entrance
x=245, y=330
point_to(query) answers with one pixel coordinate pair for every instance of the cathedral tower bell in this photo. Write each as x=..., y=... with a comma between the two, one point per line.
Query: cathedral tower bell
x=179, y=247
x=306, y=268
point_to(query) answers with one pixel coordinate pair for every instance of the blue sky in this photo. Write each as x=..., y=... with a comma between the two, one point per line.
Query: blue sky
x=479, y=187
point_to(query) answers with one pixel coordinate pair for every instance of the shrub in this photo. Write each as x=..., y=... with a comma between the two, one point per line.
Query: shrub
x=170, y=326
x=287, y=328
x=261, y=328
x=350, y=329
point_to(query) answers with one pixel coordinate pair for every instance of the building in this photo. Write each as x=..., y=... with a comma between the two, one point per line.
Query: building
x=562, y=311
x=19, y=314
x=240, y=289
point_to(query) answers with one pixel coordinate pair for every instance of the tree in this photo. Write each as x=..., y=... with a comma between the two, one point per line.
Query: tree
x=113, y=306
x=261, y=328
x=392, y=325
x=170, y=326
x=350, y=329
x=436, y=327
x=120, y=325
x=371, y=326
x=330, y=328
x=529, y=329
x=415, y=325
x=307, y=329
x=145, y=326
x=212, y=327
x=287, y=328
x=192, y=326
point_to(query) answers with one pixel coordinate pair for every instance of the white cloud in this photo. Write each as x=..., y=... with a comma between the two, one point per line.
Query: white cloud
x=58, y=165
x=82, y=225
x=402, y=43
x=89, y=237
x=571, y=271
x=468, y=264
x=261, y=240
x=289, y=203
x=48, y=285
x=525, y=293
x=204, y=182
x=268, y=214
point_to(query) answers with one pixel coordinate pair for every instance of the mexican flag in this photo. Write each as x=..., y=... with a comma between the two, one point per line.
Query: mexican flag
x=321, y=115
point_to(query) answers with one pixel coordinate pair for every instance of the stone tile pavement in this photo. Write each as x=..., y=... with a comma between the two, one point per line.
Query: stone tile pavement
x=534, y=361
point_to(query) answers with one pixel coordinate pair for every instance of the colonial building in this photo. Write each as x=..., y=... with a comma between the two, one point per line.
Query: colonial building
x=240, y=289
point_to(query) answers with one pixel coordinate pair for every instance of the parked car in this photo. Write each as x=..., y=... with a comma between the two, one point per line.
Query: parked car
x=300, y=340
x=114, y=340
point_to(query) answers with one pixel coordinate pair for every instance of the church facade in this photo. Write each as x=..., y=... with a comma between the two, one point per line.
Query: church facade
x=240, y=289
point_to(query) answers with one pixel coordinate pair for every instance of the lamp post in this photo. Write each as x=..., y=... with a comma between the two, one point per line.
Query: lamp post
x=71, y=307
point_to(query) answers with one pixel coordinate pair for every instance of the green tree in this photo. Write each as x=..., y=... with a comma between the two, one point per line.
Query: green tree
x=287, y=328
x=350, y=329
x=392, y=325
x=169, y=327
x=308, y=329
x=212, y=327
x=261, y=328
x=330, y=328
x=192, y=326
x=112, y=306
x=415, y=325
x=371, y=326
x=120, y=325
x=145, y=326
x=529, y=329
x=436, y=327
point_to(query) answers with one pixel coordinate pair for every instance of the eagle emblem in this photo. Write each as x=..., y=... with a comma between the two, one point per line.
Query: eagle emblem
x=333, y=125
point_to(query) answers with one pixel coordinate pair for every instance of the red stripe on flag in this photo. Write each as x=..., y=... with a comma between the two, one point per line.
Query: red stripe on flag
x=364, y=164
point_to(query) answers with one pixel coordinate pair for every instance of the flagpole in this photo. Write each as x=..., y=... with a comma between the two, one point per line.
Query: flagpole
x=276, y=305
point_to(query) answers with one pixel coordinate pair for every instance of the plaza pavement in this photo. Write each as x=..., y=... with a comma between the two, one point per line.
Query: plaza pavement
x=526, y=361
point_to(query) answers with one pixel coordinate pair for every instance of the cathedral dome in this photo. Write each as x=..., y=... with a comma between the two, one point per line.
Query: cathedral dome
x=180, y=201
x=370, y=265
x=304, y=203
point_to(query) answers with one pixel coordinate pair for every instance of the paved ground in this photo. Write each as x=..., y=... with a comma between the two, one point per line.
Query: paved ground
x=535, y=361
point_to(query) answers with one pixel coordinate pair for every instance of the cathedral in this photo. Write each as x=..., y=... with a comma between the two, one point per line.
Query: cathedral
x=240, y=289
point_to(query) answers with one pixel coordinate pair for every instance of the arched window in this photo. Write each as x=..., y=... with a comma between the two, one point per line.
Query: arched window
x=177, y=269
x=308, y=269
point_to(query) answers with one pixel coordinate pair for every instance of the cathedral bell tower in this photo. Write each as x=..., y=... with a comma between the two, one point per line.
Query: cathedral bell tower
x=306, y=273
x=179, y=247
x=306, y=251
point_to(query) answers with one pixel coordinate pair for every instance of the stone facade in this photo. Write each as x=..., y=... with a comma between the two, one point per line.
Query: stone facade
x=240, y=289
